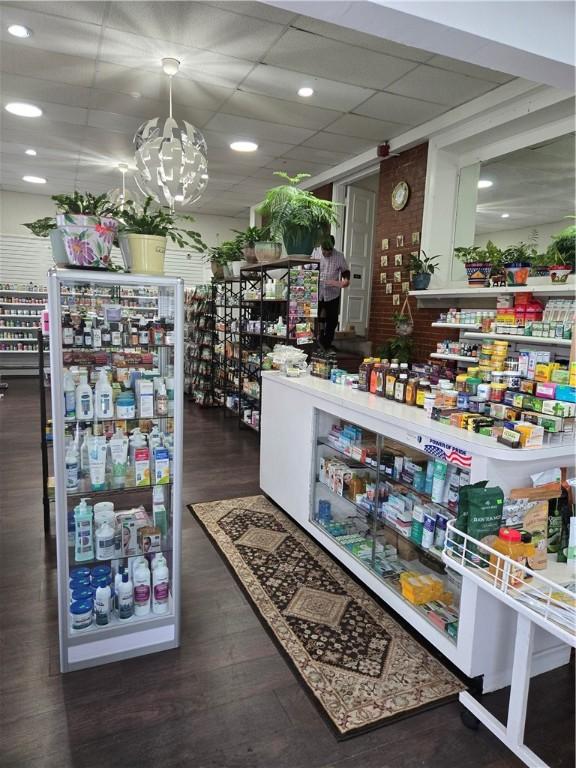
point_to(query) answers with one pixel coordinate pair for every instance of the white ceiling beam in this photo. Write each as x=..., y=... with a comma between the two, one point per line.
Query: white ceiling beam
x=533, y=40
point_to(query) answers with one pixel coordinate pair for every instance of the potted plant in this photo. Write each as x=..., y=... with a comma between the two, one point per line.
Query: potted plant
x=399, y=348
x=232, y=257
x=248, y=240
x=143, y=235
x=423, y=267
x=562, y=254
x=478, y=265
x=88, y=224
x=540, y=264
x=517, y=262
x=46, y=227
x=296, y=216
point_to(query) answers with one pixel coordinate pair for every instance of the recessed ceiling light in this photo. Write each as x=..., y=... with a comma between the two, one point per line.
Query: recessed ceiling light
x=19, y=30
x=504, y=215
x=178, y=198
x=31, y=152
x=305, y=92
x=244, y=146
x=34, y=179
x=23, y=110
x=205, y=176
x=135, y=94
x=484, y=183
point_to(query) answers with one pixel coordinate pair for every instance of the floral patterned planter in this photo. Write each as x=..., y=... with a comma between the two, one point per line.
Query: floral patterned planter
x=559, y=273
x=87, y=239
x=478, y=272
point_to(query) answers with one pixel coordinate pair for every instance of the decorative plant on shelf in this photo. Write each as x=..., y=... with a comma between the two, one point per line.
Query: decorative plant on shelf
x=423, y=267
x=517, y=263
x=144, y=232
x=249, y=238
x=86, y=204
x=476, y=261
x=222, y=255
x=297, y=216
x=42, y=227
x=562, y=254
x=397, y=347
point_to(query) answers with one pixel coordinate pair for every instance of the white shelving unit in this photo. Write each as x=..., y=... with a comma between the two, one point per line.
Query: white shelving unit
x=13, y=364
x=153, y=632
x=463, y=291
x=457, y=326
x=458, y=358
x=513, y=338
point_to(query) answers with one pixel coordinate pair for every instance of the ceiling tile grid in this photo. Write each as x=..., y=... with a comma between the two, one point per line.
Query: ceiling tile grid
x=94, y=69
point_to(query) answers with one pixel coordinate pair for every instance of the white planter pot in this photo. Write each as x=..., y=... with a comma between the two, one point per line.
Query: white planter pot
x=237, y=266
x=58, y=251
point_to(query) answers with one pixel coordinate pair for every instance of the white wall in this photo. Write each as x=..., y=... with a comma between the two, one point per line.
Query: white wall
x=24, y=257
x=504, y=238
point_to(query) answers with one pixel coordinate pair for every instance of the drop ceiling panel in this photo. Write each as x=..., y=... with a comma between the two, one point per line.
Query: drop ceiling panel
x=292, y=167
x=329, y=141
x=321, y=156
x=360, y=39
x=31, y=62
x=50, y=33
x=278, y=111
x=130, y=50
x=310, y=54
x=91, y=12
x=148, y=85
x=284, y=84
x=464, y=68
x=144, y=109
x=243, y=127
x=196, y=25
x=256, y=10
x=53, y=113
x=439, y=86
x=366, y=128
x=216, y=140
x=34, y=90
x=390, y=106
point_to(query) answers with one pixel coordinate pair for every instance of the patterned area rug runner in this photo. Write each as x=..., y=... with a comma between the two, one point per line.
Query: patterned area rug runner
x=360, y=665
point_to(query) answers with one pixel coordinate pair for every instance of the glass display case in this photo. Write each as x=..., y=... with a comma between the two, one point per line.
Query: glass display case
x=116, y=346
x=388, y=504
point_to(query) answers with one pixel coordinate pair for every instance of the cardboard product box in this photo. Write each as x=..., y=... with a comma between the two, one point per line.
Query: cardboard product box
x=531, y=435
x=404, y=529
x=560, y=376
x=532, y=403
x=565, y=393
x=149, y=539
x=546, y=390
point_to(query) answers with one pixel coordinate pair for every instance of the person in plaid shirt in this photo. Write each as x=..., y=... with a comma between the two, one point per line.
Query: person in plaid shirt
x=334, y=275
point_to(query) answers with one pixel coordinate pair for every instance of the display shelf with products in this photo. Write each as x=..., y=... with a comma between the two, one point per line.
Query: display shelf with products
x=117, y=440
x=227, y=346
x=20, y=313
x=199, y=335
x=377, y=486
x=278, y=301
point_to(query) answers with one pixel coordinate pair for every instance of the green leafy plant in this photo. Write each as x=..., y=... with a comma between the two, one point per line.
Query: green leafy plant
x=562, y=249
x=399, y=347
x=86, y=204
x=421, y=264
x=252, y=235
x=160, y=222
x=42, y=227
x=288, y=209
x=470, y=253
x=225, y=253
x=521, y=253
x=494, y=255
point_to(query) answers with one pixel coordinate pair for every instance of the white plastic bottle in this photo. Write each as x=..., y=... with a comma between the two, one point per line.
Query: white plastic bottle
x=69, y=395
x=162, y=399
x=134, y=563
x=84, y=400
x=141, y=590
x=71, y=459
x=125, y=597
x=84, y=532
x=102, y=605
x=104, y=406
x=105, y=542
x=159, y=559
x=84, y=453
x=117, y=582
x=161, y=588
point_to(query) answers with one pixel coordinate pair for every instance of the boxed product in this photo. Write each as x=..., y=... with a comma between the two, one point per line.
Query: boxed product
x=557, y=408
x=565, y=393
x=531, y=435
x=149, y=539
x=145, y=393
x=546, y=390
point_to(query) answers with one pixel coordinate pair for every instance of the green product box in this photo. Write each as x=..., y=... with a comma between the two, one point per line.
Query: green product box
x=560, y=376
x=557, y=408
x=532, y=403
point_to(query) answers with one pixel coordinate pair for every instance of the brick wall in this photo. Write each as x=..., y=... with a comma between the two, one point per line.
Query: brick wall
x=409, y=166
x=324, y=192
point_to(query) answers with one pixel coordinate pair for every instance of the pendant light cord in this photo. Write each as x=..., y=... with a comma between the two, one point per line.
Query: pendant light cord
x=170, y=92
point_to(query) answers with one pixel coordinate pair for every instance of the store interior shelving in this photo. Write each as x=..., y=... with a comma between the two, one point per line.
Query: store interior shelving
x=199, y=339
x=278, y=303
x=226, y=294
x=20, y=312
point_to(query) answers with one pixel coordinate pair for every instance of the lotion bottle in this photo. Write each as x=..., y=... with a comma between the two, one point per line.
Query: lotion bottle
x=102, y=605
x=84, y=401
x=161, y=588
x=105, y=542
x=84, y=537
x=141, y=590
x=125, y=597
x=104, y=404
x=71, y=467
x=69, y=395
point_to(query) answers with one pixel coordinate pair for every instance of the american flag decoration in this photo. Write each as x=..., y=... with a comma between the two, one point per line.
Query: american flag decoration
x=448, y=453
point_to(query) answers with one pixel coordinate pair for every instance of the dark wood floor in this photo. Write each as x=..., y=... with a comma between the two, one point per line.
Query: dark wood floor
x=226, y=698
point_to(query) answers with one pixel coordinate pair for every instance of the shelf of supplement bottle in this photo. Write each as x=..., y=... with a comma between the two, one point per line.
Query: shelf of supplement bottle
x=18, y=339
x=94, y=562
x=9, y=292
x=464, y=291
x=248, y=396
x=20, y=351
x=89, y=493
x=118, y=348
x=517, y=338
x=74, y=420
x=345, y=505
x=457, y=326
x=120, y=627
x=324, y=441
x=20, y=317
x=27, y=304
x=5, y=328
x=459, y=358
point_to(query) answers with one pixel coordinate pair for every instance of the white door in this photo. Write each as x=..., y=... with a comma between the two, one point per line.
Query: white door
x=358, y=239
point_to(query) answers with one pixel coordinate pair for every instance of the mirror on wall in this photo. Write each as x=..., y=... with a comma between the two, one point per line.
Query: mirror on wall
x=524, y=196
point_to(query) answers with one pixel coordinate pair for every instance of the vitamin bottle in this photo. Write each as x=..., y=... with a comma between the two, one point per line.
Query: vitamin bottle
x=411, y=391
x=400, y=388
x=391, y=377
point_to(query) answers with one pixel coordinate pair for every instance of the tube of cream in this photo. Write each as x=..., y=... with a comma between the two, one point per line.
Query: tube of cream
x=119, y=456
x=97, y=462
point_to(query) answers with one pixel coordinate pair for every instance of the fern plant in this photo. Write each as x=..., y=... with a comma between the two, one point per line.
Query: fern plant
x=161, y=223
x=289, y=211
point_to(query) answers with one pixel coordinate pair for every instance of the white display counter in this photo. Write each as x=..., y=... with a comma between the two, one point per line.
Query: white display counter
x=296, y=413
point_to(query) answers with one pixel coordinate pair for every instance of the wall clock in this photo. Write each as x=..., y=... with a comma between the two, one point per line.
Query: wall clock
x=400, y=195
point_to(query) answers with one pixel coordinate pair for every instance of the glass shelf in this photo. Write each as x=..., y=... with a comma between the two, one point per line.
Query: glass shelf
x=98, y=420
x=89, y=493
x=94, y=563
x=120, y=626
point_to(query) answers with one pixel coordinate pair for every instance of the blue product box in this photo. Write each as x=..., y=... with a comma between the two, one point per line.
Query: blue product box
x=566, y=393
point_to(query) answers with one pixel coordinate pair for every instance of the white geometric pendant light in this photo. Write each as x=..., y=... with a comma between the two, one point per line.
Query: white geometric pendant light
x=171, y=156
